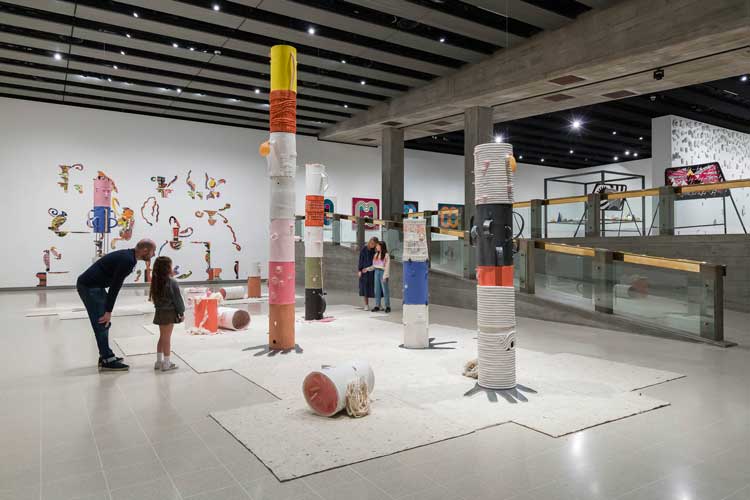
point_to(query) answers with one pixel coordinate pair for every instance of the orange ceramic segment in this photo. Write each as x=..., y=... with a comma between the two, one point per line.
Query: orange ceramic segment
x=280, y=326
x=253, y=287
x=495, y=275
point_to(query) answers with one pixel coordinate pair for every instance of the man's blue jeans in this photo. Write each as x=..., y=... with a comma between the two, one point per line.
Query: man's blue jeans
x=95, y=300
x=382, y=289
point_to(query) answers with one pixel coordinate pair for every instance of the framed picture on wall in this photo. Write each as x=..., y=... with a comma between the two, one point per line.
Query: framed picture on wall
x=366, y=207
x=692, y=175
x=450, y=216
x=411, y=207
x=329, y=208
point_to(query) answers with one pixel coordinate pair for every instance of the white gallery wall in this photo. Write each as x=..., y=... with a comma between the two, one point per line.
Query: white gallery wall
x=682, y=142
x=35, y=138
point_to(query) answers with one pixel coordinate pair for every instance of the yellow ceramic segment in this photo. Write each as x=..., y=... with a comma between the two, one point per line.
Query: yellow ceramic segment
x=283, y=68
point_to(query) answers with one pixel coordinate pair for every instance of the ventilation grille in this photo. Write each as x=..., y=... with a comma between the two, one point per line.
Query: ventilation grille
x=567, y=80
x=559, y=97
x=619, y=94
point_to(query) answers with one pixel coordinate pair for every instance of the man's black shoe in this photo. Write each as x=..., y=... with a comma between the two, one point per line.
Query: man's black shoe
x=114, y=366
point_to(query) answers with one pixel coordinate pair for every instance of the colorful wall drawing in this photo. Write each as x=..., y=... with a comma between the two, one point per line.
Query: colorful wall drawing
x=214, y=273
x=153, y=207
x=211, y=184
x=450, y=215
x=64, y=175
x=59, y=217
x=706, y=173
x=212, y=214
x=125, y=222
x=162, y=186
x=138, y=274
x=178, y=233
x=411, y=207
x=48, y=255
x=366, y=207
x=78, y=188
x=236, y=269
x=192, y=192
x=329, y=208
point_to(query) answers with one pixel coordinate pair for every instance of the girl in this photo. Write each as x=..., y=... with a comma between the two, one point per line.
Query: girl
x=364, y=272
x=381, y=262
x=170, y=309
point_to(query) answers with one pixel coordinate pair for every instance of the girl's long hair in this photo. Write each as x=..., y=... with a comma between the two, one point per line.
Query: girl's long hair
x=160, y=278
x=383, y=249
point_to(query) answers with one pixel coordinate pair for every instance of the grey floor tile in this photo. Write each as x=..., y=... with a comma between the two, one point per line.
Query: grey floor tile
x=215, y=478
x=322, y=480
x=193, y=462
x=670, y=489
x=272, y=489
x=248, y=468
x=401, y=481
x=63, y=469
x=480, y=486
x=743, y=494
x=434, y=493
x=132, y=475
x=75, y=487
x=359, y=489
x=377, y=465
x=129, y=456
x=230, y=493
x=160, y=489
x=25, y=493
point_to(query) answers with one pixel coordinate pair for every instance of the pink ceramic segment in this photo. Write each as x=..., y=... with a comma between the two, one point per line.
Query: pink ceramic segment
x=282, y=240
x=102, y=192
x=280, y=282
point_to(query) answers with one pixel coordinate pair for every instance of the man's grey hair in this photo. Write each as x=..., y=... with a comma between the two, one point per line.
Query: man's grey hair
x=145, y=243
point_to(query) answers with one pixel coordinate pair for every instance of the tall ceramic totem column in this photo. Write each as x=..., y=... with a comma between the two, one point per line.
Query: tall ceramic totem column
x=101, y=220
x=416, y=271
x=282, y=166
x=496, y=313
x=315, y=184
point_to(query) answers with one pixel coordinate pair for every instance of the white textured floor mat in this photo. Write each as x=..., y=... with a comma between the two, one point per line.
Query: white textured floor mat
x=294, y=442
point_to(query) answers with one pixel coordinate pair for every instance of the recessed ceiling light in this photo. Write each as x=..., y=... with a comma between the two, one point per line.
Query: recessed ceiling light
x=257, y=91
x=520, y=157
x=616, y=158
x=576, y=124
x=216, y=7
x=57, y=57
x=627, y=153
x=442, y=39
x=109, y=79
x=179, y=91
x=122, y=52
x=362, y=82
x=233, y=99
x=743, y=78
x=199, y=94
x=127, y=35
x=192, y=49
x=571, y=151
x=135, y=14
x=343, y=61
x=635, y=154
x=499, y=138
x=114, y=66
x=640, y=138
x=614, y=132
x=542, y=160
x=310, y=30
x=174, y=45
x=346, y=105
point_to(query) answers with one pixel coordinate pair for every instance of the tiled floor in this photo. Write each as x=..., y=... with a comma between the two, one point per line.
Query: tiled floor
x=68, y=432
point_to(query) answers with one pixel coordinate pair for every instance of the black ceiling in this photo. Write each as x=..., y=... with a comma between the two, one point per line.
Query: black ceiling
x=207, y=60
x=725, y=103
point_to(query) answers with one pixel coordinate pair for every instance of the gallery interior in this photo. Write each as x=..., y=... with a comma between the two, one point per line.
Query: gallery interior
x=375, y=249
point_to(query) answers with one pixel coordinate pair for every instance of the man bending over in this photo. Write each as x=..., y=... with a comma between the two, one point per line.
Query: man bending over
x=109, y=273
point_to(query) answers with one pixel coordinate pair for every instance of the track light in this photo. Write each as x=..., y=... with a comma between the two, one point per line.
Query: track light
x=627, y=153
x=57, y=57
x=542, y=160
x=571, y=151
x=640, y=138
x=346, y=105
x=614, y=132
x=257, y=91
x=174, y=44
x=114, y=66
x=192, y=49
x=310, y=30
x=179, y=91
x=576, y=124
x=122, y=52
x=135, y=14
x=343, y=61
x=127, y=35
x=743, y=78
x=616, y=158
x=362, y=82
x=216, y=7
x=442, y=40
x=520, y=157
x=635, y=155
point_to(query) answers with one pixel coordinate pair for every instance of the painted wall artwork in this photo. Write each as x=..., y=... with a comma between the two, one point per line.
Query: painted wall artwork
x=64, y=175
x=329, y=207
x=366, y=207
x=411, y=207
x=611, y=205
x=450, y=215
x=706, y=173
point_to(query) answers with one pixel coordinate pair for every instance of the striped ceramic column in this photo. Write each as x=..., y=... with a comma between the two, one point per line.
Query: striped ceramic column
x=416, y=296
x=496, y=313
x=315, y=184
x=282, y=165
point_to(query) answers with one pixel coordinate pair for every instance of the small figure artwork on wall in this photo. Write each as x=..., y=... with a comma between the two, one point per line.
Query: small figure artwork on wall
x=450, y=215
x=59, y=217
x=213, y=273
x=162, y=187
x=236, y=269
x=192, y=192
x=125, y=222
x=411, y=207
x=153, y=205
x=78, y=188
x=366, y=207
x=329, y=208
x=64, y=175
x=178, y=233
x=211, y=185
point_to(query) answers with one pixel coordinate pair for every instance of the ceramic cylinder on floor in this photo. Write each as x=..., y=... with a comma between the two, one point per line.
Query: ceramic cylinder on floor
x=496, y=315
x=325, y=389
x=282, y=158
x=233, y=319
x=232, y=292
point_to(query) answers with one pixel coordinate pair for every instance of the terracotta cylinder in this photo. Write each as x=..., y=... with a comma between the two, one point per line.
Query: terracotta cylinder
x=253, y=287
x=207, y=315
x=233, y=319
x=281, y=326
x=325, y=389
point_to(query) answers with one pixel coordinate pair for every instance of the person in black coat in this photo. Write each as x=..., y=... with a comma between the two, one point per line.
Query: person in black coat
x=366, y=273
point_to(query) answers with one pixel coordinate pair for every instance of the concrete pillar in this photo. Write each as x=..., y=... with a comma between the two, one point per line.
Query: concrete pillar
x=594, y=215
x=392, y=173
x=603, y=275
x=535, y=219
x=477, y=130
x=712, y=305
x=666, y=210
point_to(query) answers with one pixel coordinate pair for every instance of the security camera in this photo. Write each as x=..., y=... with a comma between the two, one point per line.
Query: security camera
x=658, y=74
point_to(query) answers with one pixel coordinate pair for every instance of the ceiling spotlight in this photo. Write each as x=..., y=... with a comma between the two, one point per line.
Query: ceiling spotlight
x=310, y=30
x=135, y=14
x=217, y=52
x=616, y=158
x=571, y=151
x=233, y=100
x=614, y=132
x=743, y=78
x=442, y=39
x=122, y=52
x=216, y=7
x=499, y=138
x=640, y=138
x=179, y=91
x=199, y=94
x=174, y=45
x=635, y=154
x=57, y=57
x=627, y=153
x=109, y=79
x=115, y=66
x=362, y=82
x=127, y=35
x=343, y=61
x=346, y=105
x=257, y=91
x=520, y=157
x=192, y=49
x=576, y=124
x=542, y=160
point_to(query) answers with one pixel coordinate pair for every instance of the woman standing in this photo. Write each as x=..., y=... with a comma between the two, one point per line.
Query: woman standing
x=381, y=262
x=365, y=272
